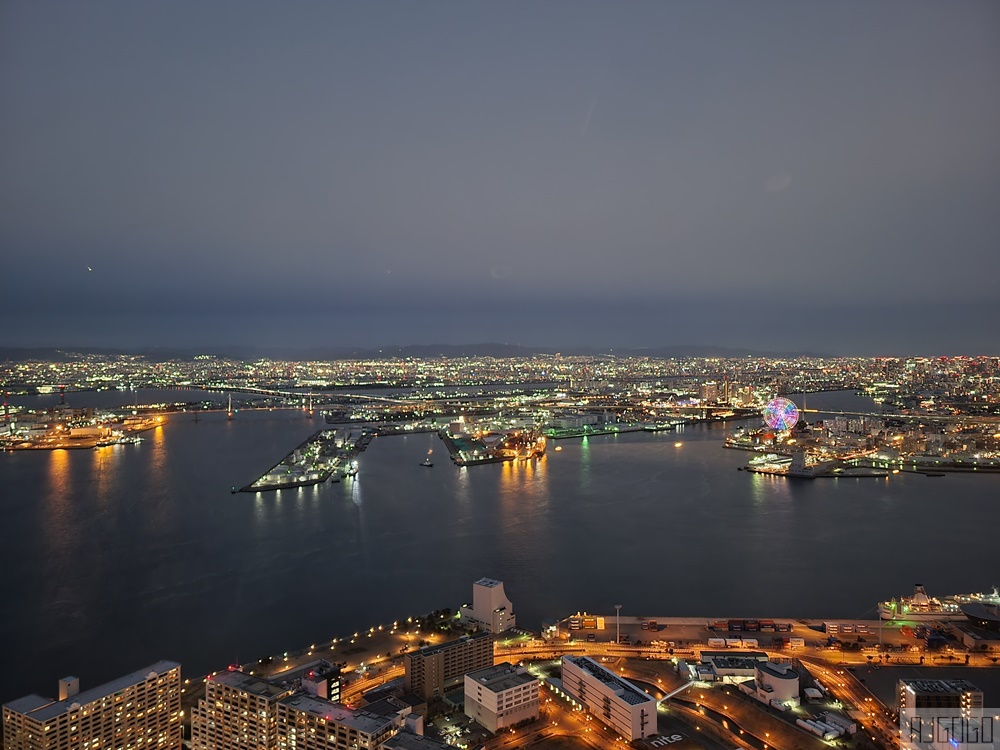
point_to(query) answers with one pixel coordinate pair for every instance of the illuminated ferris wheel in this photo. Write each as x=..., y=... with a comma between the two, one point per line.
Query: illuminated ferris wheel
x=781, y=414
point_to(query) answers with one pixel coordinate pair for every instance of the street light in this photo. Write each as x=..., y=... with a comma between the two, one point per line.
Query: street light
x=618, y=623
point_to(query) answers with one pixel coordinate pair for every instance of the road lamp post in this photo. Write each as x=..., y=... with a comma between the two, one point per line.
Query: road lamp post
x=618, y=624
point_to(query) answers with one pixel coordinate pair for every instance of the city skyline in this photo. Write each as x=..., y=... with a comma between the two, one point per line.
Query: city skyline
x=771, y=178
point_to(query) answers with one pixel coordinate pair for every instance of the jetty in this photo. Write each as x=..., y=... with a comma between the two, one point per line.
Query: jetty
x=311, y=462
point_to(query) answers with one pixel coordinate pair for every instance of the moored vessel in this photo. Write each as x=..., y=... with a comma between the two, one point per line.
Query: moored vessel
x=921, y=606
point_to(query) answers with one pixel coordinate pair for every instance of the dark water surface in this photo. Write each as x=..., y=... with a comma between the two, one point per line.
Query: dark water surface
x=117, y=557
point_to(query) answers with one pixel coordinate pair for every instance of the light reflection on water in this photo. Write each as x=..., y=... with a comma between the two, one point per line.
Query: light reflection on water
x=585, y=463
x=60, y=528
x=150, y=538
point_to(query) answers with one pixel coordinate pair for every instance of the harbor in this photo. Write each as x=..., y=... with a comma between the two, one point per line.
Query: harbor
x=553, y=508
x=324, y=455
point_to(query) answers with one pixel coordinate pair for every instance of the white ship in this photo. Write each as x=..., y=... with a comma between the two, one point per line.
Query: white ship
x=921, y=607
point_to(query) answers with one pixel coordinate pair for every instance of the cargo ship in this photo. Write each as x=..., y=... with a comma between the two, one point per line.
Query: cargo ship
x=922, y=607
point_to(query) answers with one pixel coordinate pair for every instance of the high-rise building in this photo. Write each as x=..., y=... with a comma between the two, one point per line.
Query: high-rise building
x=941, y=714
x=501, y=696
x=285, y=711
x=139, y=710
x=238, y=711
x=305, y=722
x=626, y=708
x=432, y=670
x=491, y=610
x=708, y=392
x=951, y=694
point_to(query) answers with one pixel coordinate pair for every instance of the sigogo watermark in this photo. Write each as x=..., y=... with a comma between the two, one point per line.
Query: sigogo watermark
x=949, y=729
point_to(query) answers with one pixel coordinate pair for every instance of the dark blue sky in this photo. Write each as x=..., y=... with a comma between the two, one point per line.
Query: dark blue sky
x=820, y=176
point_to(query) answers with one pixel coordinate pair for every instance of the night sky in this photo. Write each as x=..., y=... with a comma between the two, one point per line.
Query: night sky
x=776, y=176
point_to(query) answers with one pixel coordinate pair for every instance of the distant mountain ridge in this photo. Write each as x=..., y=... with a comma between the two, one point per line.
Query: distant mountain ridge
x=421, y=351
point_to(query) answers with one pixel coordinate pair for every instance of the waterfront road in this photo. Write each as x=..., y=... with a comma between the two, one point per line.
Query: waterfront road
x=878, y=721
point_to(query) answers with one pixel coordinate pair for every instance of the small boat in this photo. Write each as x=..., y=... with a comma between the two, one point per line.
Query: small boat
x=427, y=461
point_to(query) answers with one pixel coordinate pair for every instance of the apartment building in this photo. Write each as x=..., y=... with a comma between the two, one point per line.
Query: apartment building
x=501, y=696
x=139, y=710
x=619, y=703
x=434, y=669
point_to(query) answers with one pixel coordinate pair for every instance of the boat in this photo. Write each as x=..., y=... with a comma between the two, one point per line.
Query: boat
x=770, y=459
x=922, y=607
x=427, y=461
x=856, y=472
x=784, y=466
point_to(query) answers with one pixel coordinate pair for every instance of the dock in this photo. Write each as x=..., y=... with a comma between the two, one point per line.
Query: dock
x=311, y=462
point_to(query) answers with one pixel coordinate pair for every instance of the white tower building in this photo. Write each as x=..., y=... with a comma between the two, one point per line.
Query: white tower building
x=491, y=610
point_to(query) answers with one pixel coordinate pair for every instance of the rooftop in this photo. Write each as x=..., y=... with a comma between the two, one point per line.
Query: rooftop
x=623, y=688
x=407, y=741
x=433, y=649
x=318, y=668
x=501, y=677
x=44, y=709
x=714, y=655
x=489, y=582
x=781, y=671
x=360, y=719
x=249, y=684
x=939, y=686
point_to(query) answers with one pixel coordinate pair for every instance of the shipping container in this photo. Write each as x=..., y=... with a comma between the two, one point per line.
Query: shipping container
x=734, y=643
x=589, y=623
x=574, y=623
x=784, y=627
x=753, y=625
x=736, y=625
x=749, y=643
x=796, y=642
x=721, y=625
x=716, y=642
x=654, y=625
x=767, y=626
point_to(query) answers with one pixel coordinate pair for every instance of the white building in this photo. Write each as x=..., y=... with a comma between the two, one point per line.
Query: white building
x=491, y=610
x=627, y=709
x=774, y=684
x=501, y=696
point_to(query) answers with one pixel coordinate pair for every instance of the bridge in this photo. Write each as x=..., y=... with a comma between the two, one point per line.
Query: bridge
x=920, y=417
x=317, y=395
